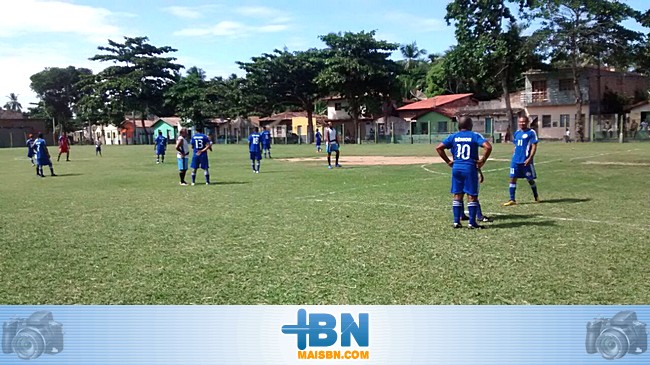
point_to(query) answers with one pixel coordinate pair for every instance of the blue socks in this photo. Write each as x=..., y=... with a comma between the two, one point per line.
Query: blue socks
x=472, y=207
x=513, y=188
x=458, y=210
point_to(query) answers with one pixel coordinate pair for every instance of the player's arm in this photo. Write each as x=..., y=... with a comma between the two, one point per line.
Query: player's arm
x=207, y=147
x=443, y=154
x=533, y=150
x=488, y=150
x=179, y=148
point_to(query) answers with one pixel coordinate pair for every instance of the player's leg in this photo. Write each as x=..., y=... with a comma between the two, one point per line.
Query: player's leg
x=38, y=169
x=531, y=175
x=471, y=188
x=269, y=148
x=205, y=167
x=67, y=155
x=337, y=156
x=59, y=157
x=162, y=157
x=329, y=156
x=157, y=157
x=479, y=213
x=194, y=165
x=457, y=202
x=258, y=157
x=514, y=174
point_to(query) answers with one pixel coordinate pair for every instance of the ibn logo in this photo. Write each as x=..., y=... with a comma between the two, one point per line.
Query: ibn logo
x=321, y=329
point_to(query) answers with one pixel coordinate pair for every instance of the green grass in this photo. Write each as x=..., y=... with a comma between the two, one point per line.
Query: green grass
x=119, y=230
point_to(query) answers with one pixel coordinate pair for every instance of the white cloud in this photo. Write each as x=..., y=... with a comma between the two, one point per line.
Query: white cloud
x=184, y=12
x=258, y=11
x=17, y=64
x=38, y=16
x=232, y=29
x=416, y=23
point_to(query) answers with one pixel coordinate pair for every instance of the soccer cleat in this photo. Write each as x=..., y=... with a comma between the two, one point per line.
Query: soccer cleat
x=538, y=200
x=329, y=167
x=183, y=184
x=193, y=184
x=53, y=174
x=485, y=219
x=257, y=172
x=337, y=165
x=458, y=225
x=464, y=218
x=157, y=162
x=207, y=183
x=509, y=203
x=475, y=226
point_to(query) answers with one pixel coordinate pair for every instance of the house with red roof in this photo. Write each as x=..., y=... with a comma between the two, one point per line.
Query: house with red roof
x=435, y=115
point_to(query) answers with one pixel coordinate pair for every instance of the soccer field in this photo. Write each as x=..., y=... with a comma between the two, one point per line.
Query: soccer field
x=120, y=230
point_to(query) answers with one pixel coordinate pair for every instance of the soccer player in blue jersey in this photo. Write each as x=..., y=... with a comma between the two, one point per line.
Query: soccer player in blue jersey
x=200, y=144
x=319, y=139
x=255, y=149
x=30, y=149
x=464, y=173
x=42, y=156
x=525, y=140
x=161, y=147
x=266, y=141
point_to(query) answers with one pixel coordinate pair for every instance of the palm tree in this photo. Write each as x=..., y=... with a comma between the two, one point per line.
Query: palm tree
x=411, y=52
x=13, y=103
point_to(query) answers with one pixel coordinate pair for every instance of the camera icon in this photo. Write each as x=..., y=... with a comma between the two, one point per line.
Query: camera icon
x=30, y=338
x=615, y=337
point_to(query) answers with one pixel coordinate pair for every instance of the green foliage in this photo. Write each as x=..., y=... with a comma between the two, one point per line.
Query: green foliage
x=59, y=92
x=13, y=104
x=358, y=68
x=137, y=78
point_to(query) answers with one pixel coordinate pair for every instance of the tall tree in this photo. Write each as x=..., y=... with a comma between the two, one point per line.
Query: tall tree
x=576, y=32
x=13, y=104
x=358, y=67
x=138, y=77
x=288, y=79
x=59, y=92
x=193, y=97
x=411, y=52
x=490, y=40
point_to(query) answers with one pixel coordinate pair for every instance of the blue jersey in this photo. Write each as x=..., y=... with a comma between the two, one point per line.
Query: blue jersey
x=39, y=148
x=266, y=137
x=30, y=147
x=161, y=142
x=319, y=137
x=254, y=142
x=464, y=147
x=523, y=141
x=199, y=141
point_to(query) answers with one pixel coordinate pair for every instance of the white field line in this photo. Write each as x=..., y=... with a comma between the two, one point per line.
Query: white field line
x=602, y=154
x=563, y=219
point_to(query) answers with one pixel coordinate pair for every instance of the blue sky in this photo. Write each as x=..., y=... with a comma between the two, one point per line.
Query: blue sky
x=210, y=34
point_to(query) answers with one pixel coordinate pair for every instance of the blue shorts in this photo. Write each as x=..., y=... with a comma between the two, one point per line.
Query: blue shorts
x=200, y=161
x=256, y=155
x=182, y=163
x=318, y=143
x=266, y=145
x=520, y=171
x=160, y=151
x=332, y=147
x=43, y=161
x=464, y=181
x=30, y=153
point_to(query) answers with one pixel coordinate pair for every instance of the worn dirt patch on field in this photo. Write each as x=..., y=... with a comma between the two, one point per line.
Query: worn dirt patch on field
x=373, y=160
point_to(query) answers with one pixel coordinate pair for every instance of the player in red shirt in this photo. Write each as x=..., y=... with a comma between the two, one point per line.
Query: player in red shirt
x=64, y=147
